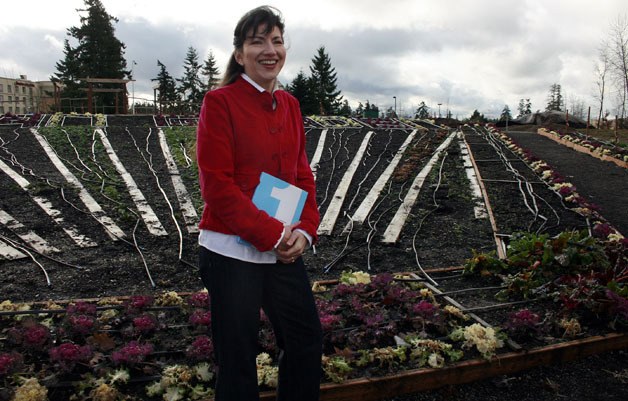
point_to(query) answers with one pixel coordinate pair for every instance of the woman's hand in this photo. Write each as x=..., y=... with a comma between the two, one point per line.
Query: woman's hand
x=292, y=245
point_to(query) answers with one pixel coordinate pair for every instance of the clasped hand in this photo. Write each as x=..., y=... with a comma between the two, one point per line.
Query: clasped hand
x=292, y=244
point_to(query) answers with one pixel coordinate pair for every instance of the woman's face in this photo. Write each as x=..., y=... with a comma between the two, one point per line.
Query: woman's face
x=263, y=56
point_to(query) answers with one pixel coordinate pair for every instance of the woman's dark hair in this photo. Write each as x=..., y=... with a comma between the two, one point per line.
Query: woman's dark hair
x=268, y=16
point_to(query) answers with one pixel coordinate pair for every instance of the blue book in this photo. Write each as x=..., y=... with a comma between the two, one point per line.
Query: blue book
x=279, y=199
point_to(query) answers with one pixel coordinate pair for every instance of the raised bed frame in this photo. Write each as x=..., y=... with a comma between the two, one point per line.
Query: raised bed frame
x=412, y=381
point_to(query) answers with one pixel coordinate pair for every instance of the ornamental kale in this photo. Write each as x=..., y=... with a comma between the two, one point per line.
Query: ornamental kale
x=523, y=323
x=30, y=334
x=381, y=281
x=67, y=355
x=201, y=349
x=144, y=324
x=80, y=318
x=199, y=300
x=132, y=353
x=201, y=317
x=81, y=324
x=138, y=303
x=81, y=308
x=619, y=306
x=9, y=363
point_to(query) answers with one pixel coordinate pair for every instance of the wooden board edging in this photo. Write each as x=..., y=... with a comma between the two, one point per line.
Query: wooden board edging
x=581, y=149
x=411, y=381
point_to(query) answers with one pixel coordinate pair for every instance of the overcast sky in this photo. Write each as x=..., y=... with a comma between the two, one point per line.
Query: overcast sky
x=465, y=54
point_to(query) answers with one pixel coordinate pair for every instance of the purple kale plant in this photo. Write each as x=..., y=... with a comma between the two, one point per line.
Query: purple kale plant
x=201, y=349
x=67, y=355
x=10, y=363
x=132, y=353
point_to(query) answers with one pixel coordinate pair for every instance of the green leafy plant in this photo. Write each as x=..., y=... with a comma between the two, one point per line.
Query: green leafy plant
x=484, y=264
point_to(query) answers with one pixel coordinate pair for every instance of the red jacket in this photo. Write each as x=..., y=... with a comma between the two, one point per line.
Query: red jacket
x=240, y=136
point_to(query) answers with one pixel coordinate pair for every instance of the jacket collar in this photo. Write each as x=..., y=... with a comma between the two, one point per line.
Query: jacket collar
x=255, y=86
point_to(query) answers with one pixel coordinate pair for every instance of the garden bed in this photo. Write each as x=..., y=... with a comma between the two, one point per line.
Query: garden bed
x=440, y=234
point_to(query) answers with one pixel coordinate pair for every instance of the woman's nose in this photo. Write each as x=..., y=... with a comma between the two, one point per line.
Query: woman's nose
x=269, y=47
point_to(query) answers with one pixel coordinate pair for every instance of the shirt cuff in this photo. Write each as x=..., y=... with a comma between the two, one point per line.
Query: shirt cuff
x=306, y=235
x=283, y=231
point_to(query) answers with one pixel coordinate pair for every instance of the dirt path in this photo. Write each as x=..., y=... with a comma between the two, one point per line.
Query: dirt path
x=602, y=183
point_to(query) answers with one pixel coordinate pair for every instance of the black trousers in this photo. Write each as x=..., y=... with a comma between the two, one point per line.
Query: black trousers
x=237, y=291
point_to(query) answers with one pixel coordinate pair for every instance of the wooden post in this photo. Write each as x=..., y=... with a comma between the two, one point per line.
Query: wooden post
x=125, y=100
x=586, y=130
x=616, y=126
x=57, y=96
x=89, y=97
x=567, y=117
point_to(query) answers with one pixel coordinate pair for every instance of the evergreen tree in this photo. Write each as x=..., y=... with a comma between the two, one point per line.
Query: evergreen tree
x=371, y=110
x=375, y=109
x=167, y=88
x=359, y=111
x=301, y=88
x=98, y=54
x=191, y=88
x=524, y=108
x=68, y=72
x=345, y=109
x=477, y=117
x=555, y=99
x=422, y=112
x=211, y=72
x=505, y=116
x=326, y=94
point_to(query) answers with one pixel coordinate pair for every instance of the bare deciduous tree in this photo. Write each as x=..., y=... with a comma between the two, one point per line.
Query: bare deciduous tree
x=577, y=107
x=618, y=58
x=601, y=71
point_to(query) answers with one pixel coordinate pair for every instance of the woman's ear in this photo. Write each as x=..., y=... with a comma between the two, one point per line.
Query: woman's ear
x=238, y=57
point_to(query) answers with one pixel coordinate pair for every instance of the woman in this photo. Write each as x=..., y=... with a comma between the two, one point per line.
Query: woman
x=247, y=126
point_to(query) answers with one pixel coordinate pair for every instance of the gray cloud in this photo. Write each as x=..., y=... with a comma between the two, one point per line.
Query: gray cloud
x=476, y=55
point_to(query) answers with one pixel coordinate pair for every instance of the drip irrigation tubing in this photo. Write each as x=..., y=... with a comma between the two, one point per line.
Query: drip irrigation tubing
x=21, y=248
x=150, y=165
x=416, y=252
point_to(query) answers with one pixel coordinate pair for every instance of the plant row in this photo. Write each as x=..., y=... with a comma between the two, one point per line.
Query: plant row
x=158, y=346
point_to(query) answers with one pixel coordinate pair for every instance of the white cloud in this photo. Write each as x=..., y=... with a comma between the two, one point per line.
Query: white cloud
x=468, y=54
x=54, y=42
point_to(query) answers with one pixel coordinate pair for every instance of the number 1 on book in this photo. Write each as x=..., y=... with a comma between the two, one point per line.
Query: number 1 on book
x=288, y=203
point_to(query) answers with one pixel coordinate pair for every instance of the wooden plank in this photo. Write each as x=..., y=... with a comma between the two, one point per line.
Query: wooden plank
x=399, y=220
x=112, y=229
x=185, y=201
x=333, y=210
x=412, y=381
x=480, y=207
x=26, y=235
x=145, y=210
x=501, y=248
x=7, y=252
x=81, y=240
x=367, y=204
x=318, y=152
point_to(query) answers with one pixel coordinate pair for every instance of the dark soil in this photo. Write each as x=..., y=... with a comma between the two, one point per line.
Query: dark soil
x=441, y=231
x=596, y=378
x=599, y=182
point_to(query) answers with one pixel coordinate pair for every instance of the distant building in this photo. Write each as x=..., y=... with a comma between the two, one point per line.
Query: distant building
x=22, y=96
